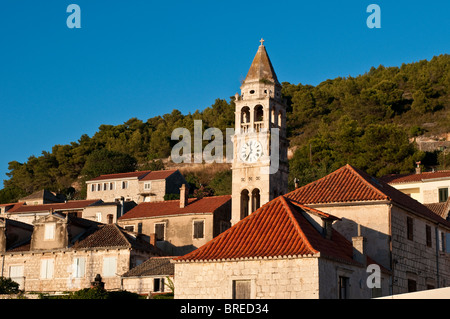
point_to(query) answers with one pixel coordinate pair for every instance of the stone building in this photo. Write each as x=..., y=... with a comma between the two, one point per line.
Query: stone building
x=402, y=235
x=260, y=167
x=154, y=276
x=65, y=253
x=425, y=187
x=282, y=250
x=29, y=213
x=180, y=226
x=142, y=186
x=42, y=197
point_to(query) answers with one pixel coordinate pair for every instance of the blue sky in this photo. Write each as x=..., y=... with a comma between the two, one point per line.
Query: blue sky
x=142, y=58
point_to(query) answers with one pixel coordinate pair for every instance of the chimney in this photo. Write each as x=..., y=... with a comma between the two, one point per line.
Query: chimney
x=327, y=228
x=296, y=182
x=418, y=169
x=152, y=239
x=359, y=247
x=2, y=237
x=184, y=193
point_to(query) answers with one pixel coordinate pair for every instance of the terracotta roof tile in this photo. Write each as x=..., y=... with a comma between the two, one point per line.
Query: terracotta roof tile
x=75, y=204
x=111, y=235
x=276, y=229
x=138, y=175
x=172, y=207
x=155, y=266
x=349, y=184
x=411, y=178
x=440, y=209
x=154, y=175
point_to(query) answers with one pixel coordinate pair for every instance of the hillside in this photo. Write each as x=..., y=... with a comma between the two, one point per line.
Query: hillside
x=366, y=121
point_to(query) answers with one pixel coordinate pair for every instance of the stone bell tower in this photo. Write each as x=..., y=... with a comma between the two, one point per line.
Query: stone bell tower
x=260, y=167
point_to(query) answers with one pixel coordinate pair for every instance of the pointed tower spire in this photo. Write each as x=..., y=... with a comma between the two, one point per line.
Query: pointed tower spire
x=261, y=68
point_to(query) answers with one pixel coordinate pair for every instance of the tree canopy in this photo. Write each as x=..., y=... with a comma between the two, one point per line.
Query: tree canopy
x=365, y=121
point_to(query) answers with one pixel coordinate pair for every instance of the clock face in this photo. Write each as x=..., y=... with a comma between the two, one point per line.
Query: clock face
x=251, y=151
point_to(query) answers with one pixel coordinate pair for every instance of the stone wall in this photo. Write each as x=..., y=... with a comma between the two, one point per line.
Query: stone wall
x=374, y=221
x=63, y=278
x=178, y=231
x=287, y=278
x=413, y=259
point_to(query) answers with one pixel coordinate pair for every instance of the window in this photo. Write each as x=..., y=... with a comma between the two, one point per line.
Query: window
x=49, y=231
x=16, y=274
x=259, y=113
x=148, y=186
x=105, y=186
x=99, y=187
x=98, y=217
x=199, y=226
x=255, y=199
x=412, y=285
x=111, y=186
x=129, y=227
x=343, y=287
x=410, y=228
x=443, y=241
x=79, y=267
x=92, y=187
x=160, y=231
x=124, y=185
x=244, y=203
x=47, y=266
x=139, y=228
x=109, y=266
x=428, y=235
x=158, y=285
x=241, y=289
x=443, y=195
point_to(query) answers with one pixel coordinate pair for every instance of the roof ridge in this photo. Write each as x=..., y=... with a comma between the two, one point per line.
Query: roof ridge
x=358, y=172
x=295, y=223
x=117, y=228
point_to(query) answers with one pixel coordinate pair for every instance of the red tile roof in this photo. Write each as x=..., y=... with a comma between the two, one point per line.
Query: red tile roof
x=138, y=175
x=141, y=175
x=172, y=207
x=411, y=178
x=441, y=209
x=276, y=229
x=349, y=184
x=154, y=175
x=75, y=204
x=111, y=235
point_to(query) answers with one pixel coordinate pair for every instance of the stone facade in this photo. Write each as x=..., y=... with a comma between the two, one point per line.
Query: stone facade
x=137, y=188
x=278, y=278
x=385, y=227
x=179, y=229
x=259, y=109
x=64, y=275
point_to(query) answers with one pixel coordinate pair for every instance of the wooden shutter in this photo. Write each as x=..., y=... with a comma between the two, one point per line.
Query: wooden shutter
x=79, y=265
x=198, y=229
x=241, y=289
x=159, y=231
x=410, y=228
x=47, y=266
x=109, y=266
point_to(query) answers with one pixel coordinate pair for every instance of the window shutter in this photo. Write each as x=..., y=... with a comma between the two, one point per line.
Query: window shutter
x=198, y=229
x=79, y=265
x=109, y=266
x=49, y=231
x=50, y=268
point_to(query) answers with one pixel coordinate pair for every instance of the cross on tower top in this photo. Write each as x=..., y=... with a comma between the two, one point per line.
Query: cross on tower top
x=262, y=41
